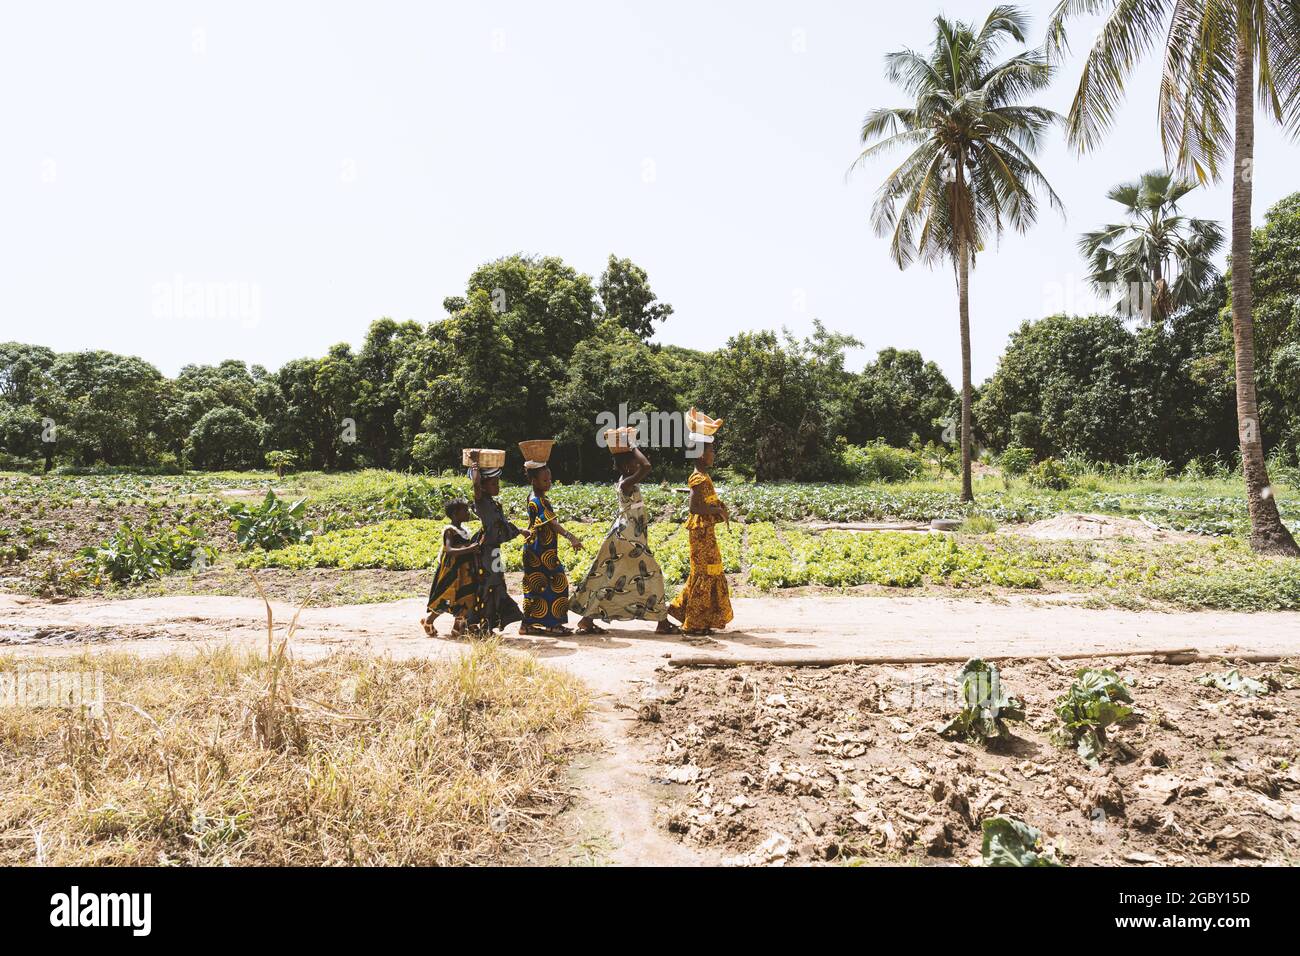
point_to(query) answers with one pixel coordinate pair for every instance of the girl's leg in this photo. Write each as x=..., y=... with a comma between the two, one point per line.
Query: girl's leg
x=426, y=623
x=588, y=625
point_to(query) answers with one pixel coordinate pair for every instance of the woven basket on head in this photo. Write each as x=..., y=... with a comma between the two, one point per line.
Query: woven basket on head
x=619, y=440
x=538, y=449
x=487, y=457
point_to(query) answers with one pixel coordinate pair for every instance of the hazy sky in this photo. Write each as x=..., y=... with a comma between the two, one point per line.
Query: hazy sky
x=323, y=164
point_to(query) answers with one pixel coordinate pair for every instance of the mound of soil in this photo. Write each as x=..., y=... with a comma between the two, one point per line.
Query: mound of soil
x=1093, y=527
x=776, y=766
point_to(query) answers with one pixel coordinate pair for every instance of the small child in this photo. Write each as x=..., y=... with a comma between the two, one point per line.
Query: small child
x=455, y=582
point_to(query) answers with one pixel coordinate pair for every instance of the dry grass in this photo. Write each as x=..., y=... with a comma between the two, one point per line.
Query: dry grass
x=230, y=758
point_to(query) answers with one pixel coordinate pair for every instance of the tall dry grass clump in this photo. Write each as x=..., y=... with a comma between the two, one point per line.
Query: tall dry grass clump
x=226, y=757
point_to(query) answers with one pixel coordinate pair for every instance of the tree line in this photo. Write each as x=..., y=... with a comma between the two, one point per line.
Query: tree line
x=535, y=348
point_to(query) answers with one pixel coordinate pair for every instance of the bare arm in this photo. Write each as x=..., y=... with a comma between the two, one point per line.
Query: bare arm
x=629, y=482
x=560, y=530
x=449, y=536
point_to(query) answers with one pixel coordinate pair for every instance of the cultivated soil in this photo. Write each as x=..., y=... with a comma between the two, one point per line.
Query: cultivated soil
x=783, y=765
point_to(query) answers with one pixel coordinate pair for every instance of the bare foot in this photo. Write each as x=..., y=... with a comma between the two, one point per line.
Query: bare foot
x=426, y=622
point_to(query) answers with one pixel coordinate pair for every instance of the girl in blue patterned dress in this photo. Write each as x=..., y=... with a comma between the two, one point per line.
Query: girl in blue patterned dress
x=546, y=584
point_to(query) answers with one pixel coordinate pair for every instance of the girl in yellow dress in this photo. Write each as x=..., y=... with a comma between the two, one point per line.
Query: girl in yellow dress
x=704, y=602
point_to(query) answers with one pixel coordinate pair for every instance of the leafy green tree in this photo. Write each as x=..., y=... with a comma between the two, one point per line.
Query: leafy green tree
x=625, y=294
x=28, y=397
x=1066, y=385
x=336, y=389
x=1089, y=386
x=611, y=368
x=896, y=397
x=1165, y=258
x=225, y=438
x=460, y=387
x=779, y=398
x=109, y=408
x=685, y=370
x=544, y=308
x=1220, y=56
x=378, y=397
x=199, y=389
x=970, y=172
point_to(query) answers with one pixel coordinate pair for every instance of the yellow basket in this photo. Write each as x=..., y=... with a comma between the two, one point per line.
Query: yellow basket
x=487, y=457
x=702, y=424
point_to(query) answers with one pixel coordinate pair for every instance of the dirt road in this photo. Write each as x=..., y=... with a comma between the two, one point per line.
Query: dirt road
x=765, y=628
x=617, y=792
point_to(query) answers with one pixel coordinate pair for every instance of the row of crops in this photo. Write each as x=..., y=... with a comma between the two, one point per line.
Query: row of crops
x=770, y=556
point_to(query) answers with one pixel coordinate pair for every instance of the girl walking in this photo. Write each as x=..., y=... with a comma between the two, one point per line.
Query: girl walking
x=704, y=602
x=546, y=583
x=455, y=581
x=625, y=582
x=494, y=608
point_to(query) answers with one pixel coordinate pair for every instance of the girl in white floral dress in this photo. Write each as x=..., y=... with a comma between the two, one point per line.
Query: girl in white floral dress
x=625, y=582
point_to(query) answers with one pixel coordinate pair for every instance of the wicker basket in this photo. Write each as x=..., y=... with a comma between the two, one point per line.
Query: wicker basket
x=538, y=450
x=487, y=457
x=619, y=440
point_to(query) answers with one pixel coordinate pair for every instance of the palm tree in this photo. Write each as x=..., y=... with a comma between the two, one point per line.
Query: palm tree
x=1215, y=52
x=970, y=172
x=1166, y=257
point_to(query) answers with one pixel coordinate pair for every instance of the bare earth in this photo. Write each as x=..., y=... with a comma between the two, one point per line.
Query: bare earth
x=620, y=792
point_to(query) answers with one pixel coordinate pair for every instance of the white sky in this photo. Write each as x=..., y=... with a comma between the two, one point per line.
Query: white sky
x=344, y=161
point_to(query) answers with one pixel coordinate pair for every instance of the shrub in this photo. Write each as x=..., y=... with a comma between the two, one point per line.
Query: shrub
x=134, y=555
x=880, y=462
x=1050, y=475
x=979, y=524
x=224, y=438
x=1146, y=469
x=269, y=525
x=1016, y=460
x=281, y=461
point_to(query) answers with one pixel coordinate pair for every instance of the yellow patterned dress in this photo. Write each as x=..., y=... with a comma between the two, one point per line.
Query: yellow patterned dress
x=704, y=602
x=456, y=580
x=546, y=585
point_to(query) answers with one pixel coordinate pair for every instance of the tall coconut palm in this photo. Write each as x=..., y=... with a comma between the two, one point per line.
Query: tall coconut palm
x=970, y=172
x=1218, y=54
x=1156, y=258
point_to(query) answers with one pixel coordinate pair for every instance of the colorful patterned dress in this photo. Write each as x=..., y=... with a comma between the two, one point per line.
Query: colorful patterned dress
x=495, y=608
x=455, y=582
x=546, y=585
x=625, y=582
x=704, y=602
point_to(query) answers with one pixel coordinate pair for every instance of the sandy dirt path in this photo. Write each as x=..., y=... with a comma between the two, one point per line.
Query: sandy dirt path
x=616, y=789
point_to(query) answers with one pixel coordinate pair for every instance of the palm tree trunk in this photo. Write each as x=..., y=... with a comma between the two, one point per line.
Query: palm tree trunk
x=963, y=304
x=1267, y=533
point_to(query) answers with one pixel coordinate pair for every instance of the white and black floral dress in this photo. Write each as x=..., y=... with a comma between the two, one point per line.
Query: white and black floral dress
x=625, y=582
